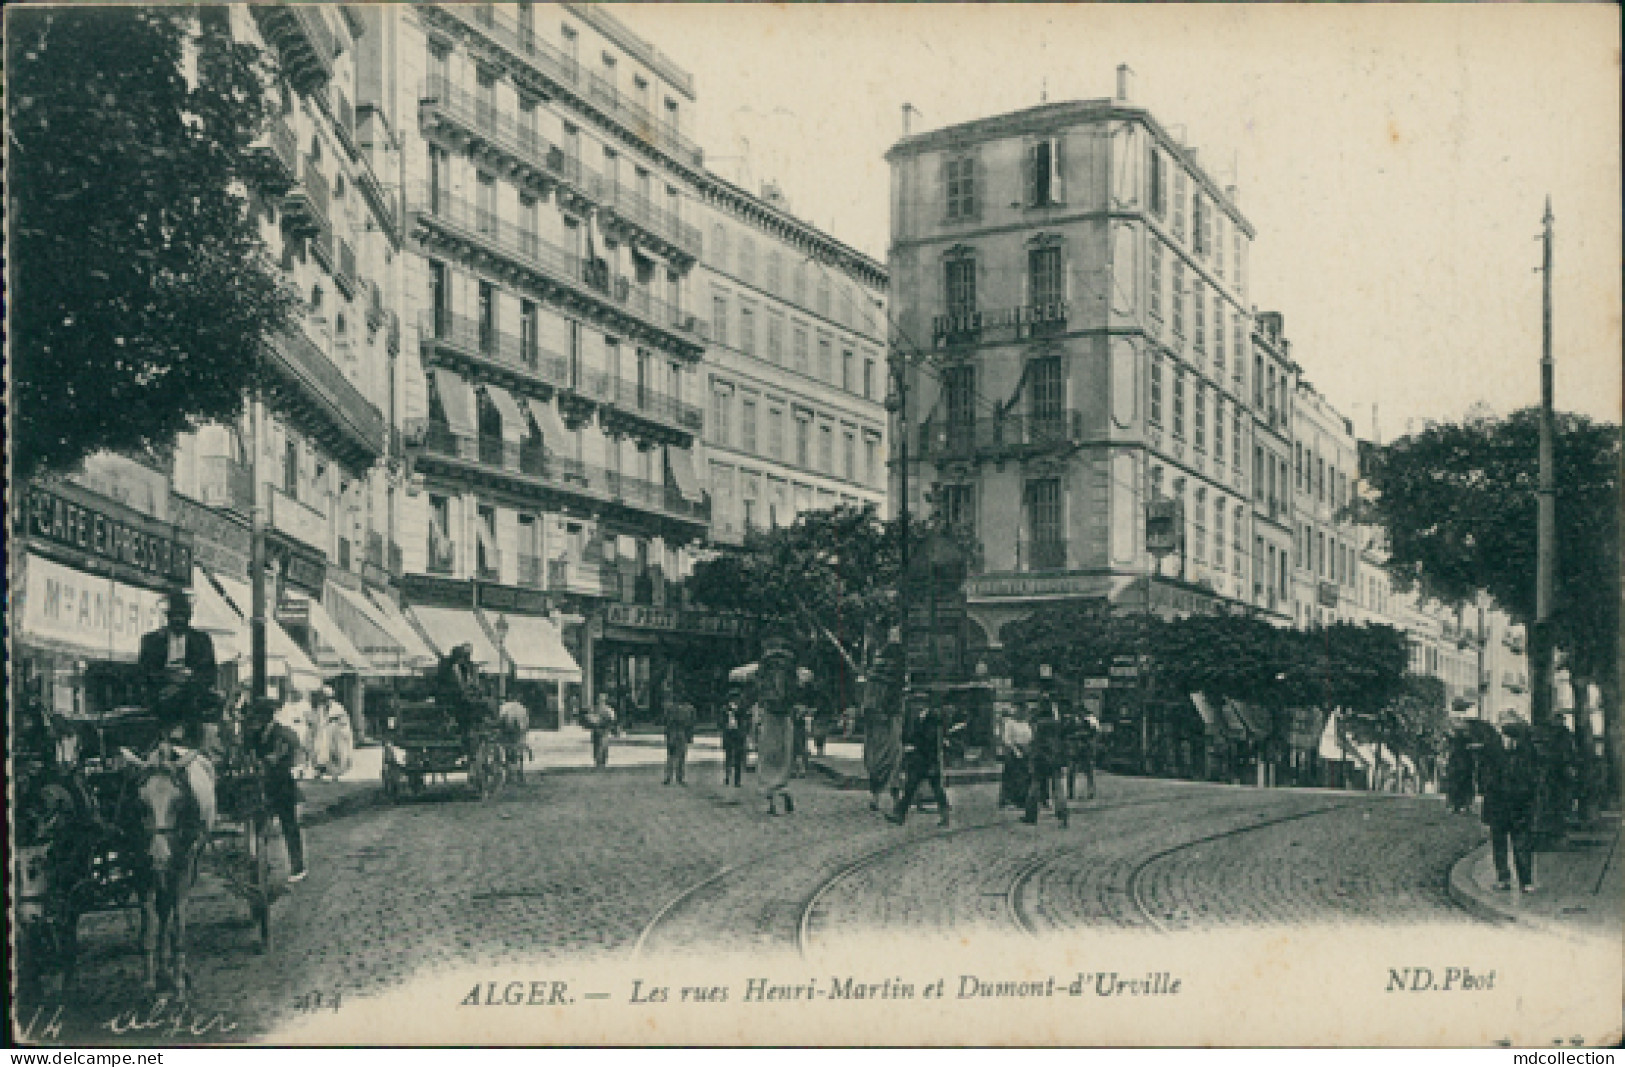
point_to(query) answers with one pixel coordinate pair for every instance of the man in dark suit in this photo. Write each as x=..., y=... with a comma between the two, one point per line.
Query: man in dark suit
x=177, y=665
x=923, y=737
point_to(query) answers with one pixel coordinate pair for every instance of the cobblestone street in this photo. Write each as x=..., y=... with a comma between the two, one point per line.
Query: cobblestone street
x=580, y=865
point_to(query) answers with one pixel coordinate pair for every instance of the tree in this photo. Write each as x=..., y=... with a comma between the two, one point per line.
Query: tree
x=1458, y=502
x=830, y=577
x=139, y=288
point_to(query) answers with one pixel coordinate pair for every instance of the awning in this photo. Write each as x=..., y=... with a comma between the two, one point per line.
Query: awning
x=1209, y=716
x=449, y=627
x=680, y=461
x=1332, y=744
x=1254, y=718
x=84, y=614
x=213, y=614
x=548, y=423
x=534, y=647
x=515, y=426
x=368, y=630
x=418, y=651
x=335, y=652
x=457, y=400
x=282, y=654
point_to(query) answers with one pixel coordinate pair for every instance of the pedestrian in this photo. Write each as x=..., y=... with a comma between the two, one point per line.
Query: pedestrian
x=777, y=685
x=820, y=732
x=883, y=724
x=679, y=722
x=1015, y=743
x=178, y=669
x=923, y=738
x=1083, y=744
x=1048, y=764
x=798, y=740
x=276, y=748
x=735, y=729
x=1511, y=781
x=296, y=714
x=600, y=724
x=1458, y=771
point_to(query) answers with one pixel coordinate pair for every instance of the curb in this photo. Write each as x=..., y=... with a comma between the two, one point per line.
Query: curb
x=1466, y=893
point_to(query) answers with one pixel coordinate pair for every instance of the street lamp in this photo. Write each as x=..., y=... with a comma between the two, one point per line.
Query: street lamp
x=502, y=657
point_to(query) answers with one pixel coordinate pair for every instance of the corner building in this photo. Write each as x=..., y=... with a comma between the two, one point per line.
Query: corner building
x=1071, y=288
x=562, y=369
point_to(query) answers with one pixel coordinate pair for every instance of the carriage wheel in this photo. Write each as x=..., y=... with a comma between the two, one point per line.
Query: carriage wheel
x=258, y=832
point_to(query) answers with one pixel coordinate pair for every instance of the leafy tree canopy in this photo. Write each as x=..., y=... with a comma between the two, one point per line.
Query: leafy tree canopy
x=1458, y=501
x=139, y=288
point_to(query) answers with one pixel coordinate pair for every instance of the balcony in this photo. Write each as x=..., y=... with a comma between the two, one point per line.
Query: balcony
x=442, y=556
x=479, y=127
x=375, y=306
x=323, y=403
x=321, y=248
x=302, y=37
x=225, y=483
x=460, y=342
x=999, y=325
x=539, y=473
x=994, y=437
x=305, y=204
x=344, y=275
x=453, y=226
x=1045, y=555
x=649, y=414
x=275, y=158
x=344, y=121
x=298, y=520
x=531, y=572
x=556, y=74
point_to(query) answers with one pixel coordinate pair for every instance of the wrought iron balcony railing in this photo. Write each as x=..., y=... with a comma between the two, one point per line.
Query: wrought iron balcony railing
x=1001, y=436
x=302, y=38
x=316, y=393
x=495, y=348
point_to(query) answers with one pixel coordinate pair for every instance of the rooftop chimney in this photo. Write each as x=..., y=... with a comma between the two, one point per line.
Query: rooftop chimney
x=1125, y=83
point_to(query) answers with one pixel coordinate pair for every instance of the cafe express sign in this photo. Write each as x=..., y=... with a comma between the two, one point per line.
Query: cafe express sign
x=56, y=517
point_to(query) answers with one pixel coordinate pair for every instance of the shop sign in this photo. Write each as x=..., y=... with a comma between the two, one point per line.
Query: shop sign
x=645, y=617
x=68, y=516
x=222, y=544
x=1084, y=585
x=98, y=616
x=507, y=598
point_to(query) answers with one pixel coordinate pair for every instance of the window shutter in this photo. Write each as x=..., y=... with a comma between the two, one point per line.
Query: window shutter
x=977, y=186
x=945, y=187
x=1029, y=175
x=1057, y=172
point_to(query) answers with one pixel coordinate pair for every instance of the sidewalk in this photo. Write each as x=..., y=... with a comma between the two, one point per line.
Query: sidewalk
x=1580, y=893
x=567, y=750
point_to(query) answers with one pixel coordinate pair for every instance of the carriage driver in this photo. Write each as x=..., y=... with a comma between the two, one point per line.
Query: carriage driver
x=177, y=665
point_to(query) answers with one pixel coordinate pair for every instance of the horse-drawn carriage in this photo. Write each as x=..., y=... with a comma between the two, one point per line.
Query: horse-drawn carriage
x=427, y=738
x=101, y=828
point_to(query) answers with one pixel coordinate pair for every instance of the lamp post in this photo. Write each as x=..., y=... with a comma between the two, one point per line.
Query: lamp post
x=502, y=656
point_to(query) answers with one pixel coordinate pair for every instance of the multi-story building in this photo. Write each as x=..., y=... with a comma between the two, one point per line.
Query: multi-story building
x=1070, y=286
x=564, y=245
x=1327, y=545
x=796, y=368
x=323, y=193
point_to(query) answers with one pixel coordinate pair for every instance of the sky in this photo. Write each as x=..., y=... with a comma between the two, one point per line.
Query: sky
x=1395, y=161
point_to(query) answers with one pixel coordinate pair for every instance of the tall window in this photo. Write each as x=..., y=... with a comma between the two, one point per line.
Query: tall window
x=1199, y=522
x=1235, y=539
x=804, y=440
x=1297, y=465
x=868, y=379
x=871, y=461
x=1179, y=405
x=823, y=295
x=1237, y=446
x=1155, y=405
x=1240, y=350
x=529, y=241
x=1177, y=297
x=747, y=425
x=747, y=329
x=848, y=370
x=1179, y=204
x=1218, y=535
x=1258, y=383
x=850, y=455
x=1199, y=423
x=1199, y=324
x=486, y=204
x=719, y=318
x=1218, y=337
x=1044, y=528
x=798, y=351
x=747, y=259
x=721, y=409
x=959, y=396
x=775, y=433
x=1199, y=222
x=1046, y=283
x=485, y=99
x=1259, y=482
x=1218, y=244
x=488, y=318
x=826, y=361
x=1154, y=284
x=774, y=268
x=1218, y=430
x=1046, y=391
x=1045, y=176
x=826, y=449
x=961, y=285
x=1157, y=184
x=961, y=186
x=775, y=340
x=958, y=508
x=530, y=333
x=439, y=297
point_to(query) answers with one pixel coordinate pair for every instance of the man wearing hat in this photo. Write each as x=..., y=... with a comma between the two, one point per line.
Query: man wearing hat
x=177, y=665
x=735, y=727
x=1511, y=783
x=883, y=724
x=923, y=737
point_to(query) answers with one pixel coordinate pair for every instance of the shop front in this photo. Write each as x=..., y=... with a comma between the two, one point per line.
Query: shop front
x=89, y=577
x=632, y=651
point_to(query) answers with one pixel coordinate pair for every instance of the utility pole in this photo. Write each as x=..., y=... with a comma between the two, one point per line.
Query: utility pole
x=897, y=405
x=1540, y=638
x=256, y=557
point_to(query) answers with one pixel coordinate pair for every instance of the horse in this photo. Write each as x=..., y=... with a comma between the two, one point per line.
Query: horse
x=175, y=796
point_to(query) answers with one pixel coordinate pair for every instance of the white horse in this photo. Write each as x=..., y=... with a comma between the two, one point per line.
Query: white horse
x=176, y=796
